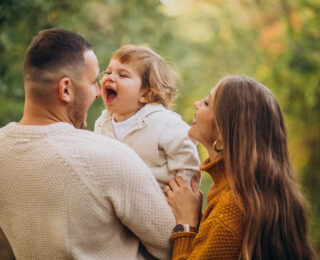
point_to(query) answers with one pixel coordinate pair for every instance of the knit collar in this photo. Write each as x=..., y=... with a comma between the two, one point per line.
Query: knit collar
x=14, y=129
x=216, y=169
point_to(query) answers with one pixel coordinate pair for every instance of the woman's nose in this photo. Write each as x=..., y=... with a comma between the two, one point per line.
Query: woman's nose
x=197, y=104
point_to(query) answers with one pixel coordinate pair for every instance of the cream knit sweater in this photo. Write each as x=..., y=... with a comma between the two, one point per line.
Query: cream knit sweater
x=73, y=194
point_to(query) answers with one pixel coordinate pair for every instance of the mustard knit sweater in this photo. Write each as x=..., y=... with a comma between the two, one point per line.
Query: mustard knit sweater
x=220, y=230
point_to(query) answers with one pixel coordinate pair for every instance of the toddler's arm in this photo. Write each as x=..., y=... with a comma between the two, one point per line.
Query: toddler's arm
x=181, y=151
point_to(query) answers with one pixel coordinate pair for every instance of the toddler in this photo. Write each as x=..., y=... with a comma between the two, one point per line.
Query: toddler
x=138, y=89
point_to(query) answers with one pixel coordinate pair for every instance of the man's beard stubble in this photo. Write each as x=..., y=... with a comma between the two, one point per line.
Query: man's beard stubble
x=77, y=112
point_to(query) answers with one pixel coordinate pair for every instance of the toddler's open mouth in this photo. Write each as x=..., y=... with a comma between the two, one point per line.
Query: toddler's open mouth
x=111, y=95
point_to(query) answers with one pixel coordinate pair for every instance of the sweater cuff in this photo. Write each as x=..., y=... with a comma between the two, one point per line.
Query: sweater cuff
x=181, y=243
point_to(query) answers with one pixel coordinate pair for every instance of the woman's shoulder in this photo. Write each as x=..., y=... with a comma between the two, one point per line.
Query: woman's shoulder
x=225, y=207
x=221, y=227
x=224, y=198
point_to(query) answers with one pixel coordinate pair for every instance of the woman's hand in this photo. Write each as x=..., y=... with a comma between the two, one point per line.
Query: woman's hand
x=184, y=202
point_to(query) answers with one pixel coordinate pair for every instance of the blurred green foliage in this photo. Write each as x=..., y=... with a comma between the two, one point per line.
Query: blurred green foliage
x=274, y=41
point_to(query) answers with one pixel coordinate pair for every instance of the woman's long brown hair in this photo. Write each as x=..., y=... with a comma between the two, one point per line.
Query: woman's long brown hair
x=259, y=171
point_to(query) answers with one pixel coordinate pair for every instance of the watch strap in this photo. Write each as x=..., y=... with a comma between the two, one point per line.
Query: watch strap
x=184, y=228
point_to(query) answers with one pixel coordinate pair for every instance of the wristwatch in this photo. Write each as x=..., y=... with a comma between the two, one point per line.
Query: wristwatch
x=184, y=228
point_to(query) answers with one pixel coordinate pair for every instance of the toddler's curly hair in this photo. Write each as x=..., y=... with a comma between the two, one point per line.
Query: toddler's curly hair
x=154, y=72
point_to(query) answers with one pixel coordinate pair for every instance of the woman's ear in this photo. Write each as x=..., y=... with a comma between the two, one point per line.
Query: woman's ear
x=65, y=90
x=218, y=142
x=146, y=96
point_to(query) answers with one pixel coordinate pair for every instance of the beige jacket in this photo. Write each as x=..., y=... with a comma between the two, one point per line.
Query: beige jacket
x=160, y=138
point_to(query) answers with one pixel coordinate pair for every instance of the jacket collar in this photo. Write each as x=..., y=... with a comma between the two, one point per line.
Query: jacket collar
x=143, y=112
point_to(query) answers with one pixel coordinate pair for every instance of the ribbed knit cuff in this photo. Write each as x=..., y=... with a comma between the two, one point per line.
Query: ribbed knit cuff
x=181, y=243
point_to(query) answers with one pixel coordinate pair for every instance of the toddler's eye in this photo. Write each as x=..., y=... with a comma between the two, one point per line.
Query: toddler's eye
x=205, y=102
x=123, y=75
x=108, y=72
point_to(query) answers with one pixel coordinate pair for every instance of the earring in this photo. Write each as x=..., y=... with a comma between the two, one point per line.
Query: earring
x=215, y=147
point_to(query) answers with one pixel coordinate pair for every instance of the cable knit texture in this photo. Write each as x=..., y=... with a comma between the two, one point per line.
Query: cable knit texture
x=220, y=231
x=73, y=194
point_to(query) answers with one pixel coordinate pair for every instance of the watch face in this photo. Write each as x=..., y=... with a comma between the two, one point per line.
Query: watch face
x=178, y=228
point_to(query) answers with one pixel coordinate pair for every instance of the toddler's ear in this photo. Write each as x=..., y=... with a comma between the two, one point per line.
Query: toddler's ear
x=146, y=96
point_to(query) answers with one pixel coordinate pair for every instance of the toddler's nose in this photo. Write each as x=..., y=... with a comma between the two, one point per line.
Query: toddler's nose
x=110, y=77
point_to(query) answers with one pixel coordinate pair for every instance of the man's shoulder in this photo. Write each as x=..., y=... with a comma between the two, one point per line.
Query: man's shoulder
x=90, y=136
x=95, y=150
x=5, y=130
x=86, y=139
x=2, y=130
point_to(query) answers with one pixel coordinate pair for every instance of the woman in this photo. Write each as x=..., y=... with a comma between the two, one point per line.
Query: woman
x=255, y=209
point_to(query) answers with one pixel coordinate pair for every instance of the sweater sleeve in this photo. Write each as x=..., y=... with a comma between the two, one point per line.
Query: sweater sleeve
x=218, y=242
x=120, y=181
x=182, y=244
x=140, y=205
x=219, y=235
x=181, y=151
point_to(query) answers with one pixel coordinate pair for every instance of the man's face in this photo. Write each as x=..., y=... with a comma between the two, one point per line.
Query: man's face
x=86, y=90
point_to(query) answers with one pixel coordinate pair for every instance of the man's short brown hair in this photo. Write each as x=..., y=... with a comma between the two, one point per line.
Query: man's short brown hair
x=53, y=50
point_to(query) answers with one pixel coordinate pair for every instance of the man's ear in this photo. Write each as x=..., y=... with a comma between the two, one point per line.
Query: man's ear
x=146, y=96
x=65, y=90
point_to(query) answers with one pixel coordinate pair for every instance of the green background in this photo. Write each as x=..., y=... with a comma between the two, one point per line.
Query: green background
x=275, y=41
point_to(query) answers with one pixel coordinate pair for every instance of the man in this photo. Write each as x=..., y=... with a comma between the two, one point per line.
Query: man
x=68, y=193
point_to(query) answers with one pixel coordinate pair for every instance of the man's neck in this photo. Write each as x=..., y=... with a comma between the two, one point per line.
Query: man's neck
x=35, y=114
